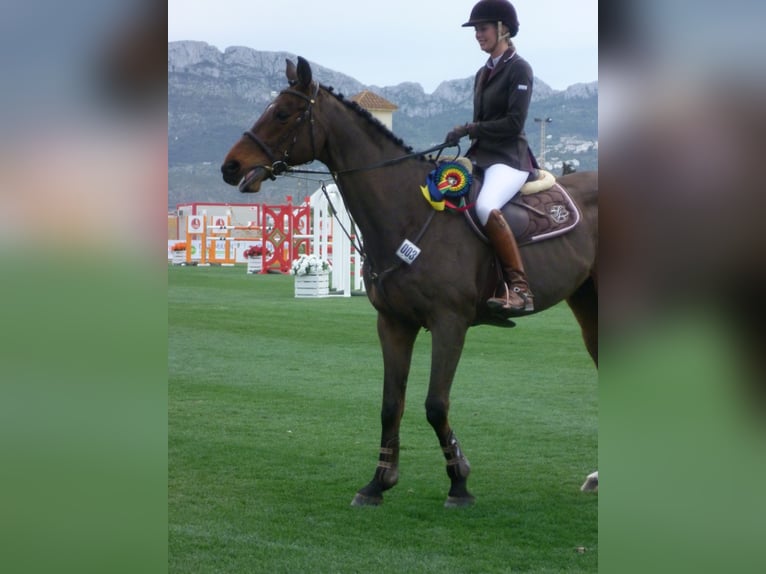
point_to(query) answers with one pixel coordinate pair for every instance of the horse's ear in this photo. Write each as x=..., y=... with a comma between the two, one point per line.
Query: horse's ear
x=291, y=72
x=304, y=73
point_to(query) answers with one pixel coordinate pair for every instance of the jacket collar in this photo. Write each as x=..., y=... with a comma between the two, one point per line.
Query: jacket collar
x=495, y=68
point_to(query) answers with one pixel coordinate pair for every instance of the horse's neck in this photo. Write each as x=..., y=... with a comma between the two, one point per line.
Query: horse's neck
x=385, y=202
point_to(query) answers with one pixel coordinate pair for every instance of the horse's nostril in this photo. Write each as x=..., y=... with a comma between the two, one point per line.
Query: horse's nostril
x=230, y=167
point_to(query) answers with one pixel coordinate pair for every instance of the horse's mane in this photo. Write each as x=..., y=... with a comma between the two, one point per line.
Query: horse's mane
x=382, y=128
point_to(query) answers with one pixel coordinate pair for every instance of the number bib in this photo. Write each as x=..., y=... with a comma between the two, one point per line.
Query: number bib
x=408, y=251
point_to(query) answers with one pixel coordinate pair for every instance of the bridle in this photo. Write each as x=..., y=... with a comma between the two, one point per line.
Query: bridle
x=279, y=165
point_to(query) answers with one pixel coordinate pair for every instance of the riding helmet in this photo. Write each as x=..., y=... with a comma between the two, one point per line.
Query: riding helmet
x=494, y=11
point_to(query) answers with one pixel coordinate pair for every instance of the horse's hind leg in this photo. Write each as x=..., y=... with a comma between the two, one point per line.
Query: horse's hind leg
x=584, y=305
x=397, y=341
x=447, y=344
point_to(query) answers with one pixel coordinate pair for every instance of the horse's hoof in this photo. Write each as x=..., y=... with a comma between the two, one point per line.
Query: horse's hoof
x=459, y=501
x=364, y=500
x=591, y=483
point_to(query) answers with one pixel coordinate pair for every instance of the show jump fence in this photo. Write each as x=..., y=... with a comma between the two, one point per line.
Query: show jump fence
x=320, y=225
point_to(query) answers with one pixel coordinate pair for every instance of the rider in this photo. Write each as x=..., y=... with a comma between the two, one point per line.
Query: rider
x=502, y=92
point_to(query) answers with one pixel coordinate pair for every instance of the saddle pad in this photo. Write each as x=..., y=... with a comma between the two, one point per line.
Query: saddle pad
x=546, y=213
x=537, y=216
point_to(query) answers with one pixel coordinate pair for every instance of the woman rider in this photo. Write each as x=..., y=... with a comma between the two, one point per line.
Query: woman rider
x=502, y=92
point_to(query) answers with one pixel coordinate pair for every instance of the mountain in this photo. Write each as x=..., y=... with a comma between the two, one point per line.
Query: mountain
x=214, y=96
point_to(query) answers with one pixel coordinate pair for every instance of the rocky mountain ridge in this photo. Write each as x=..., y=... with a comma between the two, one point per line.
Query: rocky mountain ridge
x=213, y=96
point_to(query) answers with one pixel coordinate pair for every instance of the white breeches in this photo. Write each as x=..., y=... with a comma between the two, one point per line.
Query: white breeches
x=501, y=183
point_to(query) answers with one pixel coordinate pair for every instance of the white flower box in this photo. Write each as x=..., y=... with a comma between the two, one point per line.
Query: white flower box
x=312, y=285
x=254, y=265
x=179, y=257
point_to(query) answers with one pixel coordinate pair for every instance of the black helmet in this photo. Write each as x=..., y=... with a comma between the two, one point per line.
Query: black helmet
x=494, y=11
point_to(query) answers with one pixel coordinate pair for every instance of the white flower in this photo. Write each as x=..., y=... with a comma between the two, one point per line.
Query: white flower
x=308, y=264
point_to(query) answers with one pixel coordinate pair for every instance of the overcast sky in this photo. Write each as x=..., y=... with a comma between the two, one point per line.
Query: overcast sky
x=386, y=42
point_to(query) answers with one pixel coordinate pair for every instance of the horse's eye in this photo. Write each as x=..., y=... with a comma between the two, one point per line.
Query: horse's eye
x=282, y=116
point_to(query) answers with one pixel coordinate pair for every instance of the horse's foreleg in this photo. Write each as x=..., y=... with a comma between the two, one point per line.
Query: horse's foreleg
x=397, y=341
x=448, y=341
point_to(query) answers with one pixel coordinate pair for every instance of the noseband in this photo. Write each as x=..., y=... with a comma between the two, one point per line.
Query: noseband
x=279, y=166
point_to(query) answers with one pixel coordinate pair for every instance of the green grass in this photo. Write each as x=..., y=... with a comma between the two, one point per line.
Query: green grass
x=274, y=425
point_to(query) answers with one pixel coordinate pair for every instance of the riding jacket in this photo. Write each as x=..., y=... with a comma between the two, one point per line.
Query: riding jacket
x=500, y=104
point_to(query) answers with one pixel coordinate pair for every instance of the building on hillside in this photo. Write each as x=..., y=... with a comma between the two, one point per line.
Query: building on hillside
x=380, y=108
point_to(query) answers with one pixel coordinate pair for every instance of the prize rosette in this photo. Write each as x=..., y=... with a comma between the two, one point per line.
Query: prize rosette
x=449, y=181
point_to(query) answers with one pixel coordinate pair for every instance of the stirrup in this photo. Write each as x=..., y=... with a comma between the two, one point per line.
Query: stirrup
x=529, y=301
x=503, y=304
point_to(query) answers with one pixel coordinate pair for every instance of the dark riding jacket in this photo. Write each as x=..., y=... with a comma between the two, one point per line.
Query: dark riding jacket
x=500, y=105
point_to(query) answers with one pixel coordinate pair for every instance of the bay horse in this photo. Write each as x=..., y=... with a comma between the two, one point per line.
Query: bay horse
x=444, y=289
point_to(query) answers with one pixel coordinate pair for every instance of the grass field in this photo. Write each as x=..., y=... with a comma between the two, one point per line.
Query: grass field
x=274, y=424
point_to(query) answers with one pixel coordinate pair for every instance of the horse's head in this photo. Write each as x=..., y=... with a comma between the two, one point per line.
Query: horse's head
x=284, y=135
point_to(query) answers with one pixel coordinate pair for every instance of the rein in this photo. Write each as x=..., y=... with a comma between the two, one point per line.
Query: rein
x=280, y=167
x=386, y=163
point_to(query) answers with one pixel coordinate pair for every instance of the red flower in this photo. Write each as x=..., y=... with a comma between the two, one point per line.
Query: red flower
x=253, y=251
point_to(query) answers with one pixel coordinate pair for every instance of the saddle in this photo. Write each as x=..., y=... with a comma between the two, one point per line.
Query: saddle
x=543, y=209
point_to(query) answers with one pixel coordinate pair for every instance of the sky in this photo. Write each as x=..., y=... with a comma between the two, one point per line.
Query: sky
x=387, y=42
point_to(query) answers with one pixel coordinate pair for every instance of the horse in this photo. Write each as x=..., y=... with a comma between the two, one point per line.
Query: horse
x=443, y=290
